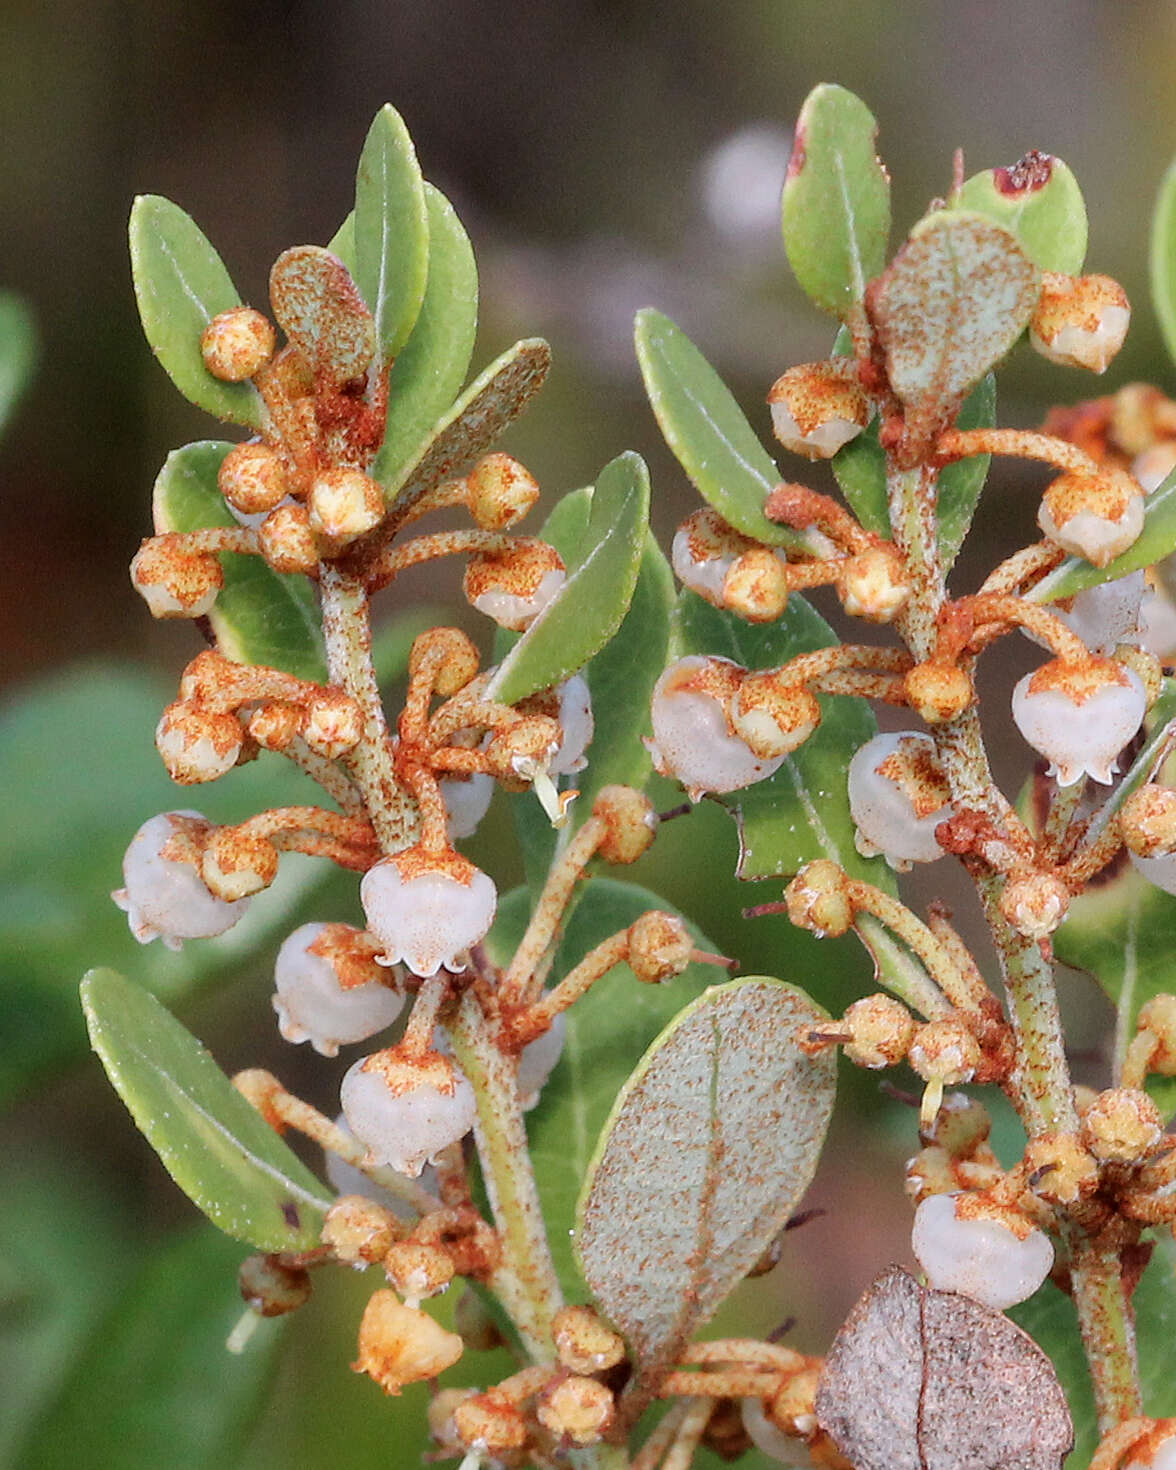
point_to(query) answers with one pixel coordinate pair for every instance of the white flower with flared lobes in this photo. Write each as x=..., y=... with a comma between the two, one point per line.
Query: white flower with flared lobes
x=1080, y=715
x=898, y=796
x=426, y=909
x=165, y=897
x=407, y=1108
x=979, y=1256
x=329, y=990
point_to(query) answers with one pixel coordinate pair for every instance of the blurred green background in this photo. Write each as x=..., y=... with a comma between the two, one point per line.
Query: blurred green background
x=603, y=156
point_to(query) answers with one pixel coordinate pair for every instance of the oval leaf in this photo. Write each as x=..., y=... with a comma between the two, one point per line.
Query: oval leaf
x=711, y=1144
x=930, y=1380
x=1163, y=259
x=492, y=401
x=707, y=430
x=950, y=305
x=18, y=351
x=593, y=601
x=219, y=1150
x=1156, y=541
x=1038, y=200
x=317, y=305
x=835, y=210
x=155, y=1385
x=391, y=230
x=260, y=616
x=342, y=243
x=181, y=284
x=427, y=375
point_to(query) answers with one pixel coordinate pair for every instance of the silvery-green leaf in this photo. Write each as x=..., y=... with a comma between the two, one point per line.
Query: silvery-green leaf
x=391, y=230
x=317, y=305
x=1038, y=200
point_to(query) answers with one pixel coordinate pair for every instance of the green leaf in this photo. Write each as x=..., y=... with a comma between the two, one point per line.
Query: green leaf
x=1050, y=1319
x=155, y=1385
x=18, y=351
x=181, y=284
x=260, y=616
x=835, y=209
x=80, y=772
x=429, y=371
x=492, y=401
x=860, y=468
x=707, y=1152
x=391, y=230
x=707, y=430
x=608, y=1030
x=216, y=1146
x=1163, y=259
x=342, y=243
x=1038, y=200
x=951, y=304
x=1154, y=542
x=592, y=603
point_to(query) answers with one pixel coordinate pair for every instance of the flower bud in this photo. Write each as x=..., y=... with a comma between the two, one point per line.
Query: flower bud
x=273, y=726
x=1080, y=321
x=786, y=1449
x=818, y=407
x=399, y=1345
x=426, y=908
x=704, y=549
x=440, y=1414
x=583, y=1342
x=931, y=1171
x=630, y=820
x=417, y=1269
x=660, y=947
x=898, y=796
x=252, y=478
x=467, y=800
x=945, y=1051
x=1035, y=903
x=756, y=586
x=1063, y=1170
x=359, y=1231
x=1080, y=715
x=773, y=719
x=1154, y=1450
x=405, y=1108
x=490, y=1424
x=693, y=739
x=577, y=1410
x=344, y=505
x=237, y=343
x=874, y=585
x=818, y=899
x=329, y=990
x=938, y=692
x=174, y=583
x=197, y=745
x=164, y=895
x=793, y=1407
x=452, y=654
x=1152, y=466
x=501, y=491
x=286, y=540
x=882, y=1030
x=960, y=1126
x=271, y=1287
x=513, y=587
x=979, y=1257
x=1147, y=821
x=333, y=724
x=538, y=1059
x=1158, y=1015
x=236, y=865
x=1093, y=516
x=1122, y=1126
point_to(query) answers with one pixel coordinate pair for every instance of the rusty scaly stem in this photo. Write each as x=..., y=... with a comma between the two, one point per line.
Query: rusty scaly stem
x=914, y=525
x=1107, y=1323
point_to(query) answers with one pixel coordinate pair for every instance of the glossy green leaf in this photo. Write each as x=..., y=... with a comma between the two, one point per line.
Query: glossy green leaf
x=18, y=351
x=707, y=430
x=80, y=772
x=260, y=616
x=1038, y=200
x=1156, y=541
x=320, y=309
x=181, y=284
x=594, y=599
x=951, y=304
x=860, y=468
x=1050, y=1319
x=835, y=209
x=342, y=242
x=492, y=401
x=1163, y=259
x=156, y=1385
x=216, y=1146
x=391, y=230
x=709, y=1149
x=429, y=371
x=607, y=1033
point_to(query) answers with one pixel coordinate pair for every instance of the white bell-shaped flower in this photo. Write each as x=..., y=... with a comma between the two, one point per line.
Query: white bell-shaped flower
x=1096, y=517
x=537, y=1061
x=328, y=989
x=704, y=550
x=693, y=739
x=1080, y=321
x=426, y=908
x=978, y=1257
x=576, y=722
x=786, y=1449
x=345, y=1178
x=514, y=587
x=818, y=407
x=1109, y=614
x=1080, y=715
x=165, y=897
x=898, y=795
x=405, y=1108
x=467, y=800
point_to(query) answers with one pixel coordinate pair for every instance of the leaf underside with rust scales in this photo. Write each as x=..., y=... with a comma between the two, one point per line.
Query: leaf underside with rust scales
x=707, y=1152
x=930, y=1380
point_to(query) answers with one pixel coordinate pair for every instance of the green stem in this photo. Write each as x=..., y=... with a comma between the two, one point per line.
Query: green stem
x=527, y=1285
x=915, y=528
x=1108, y=1329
